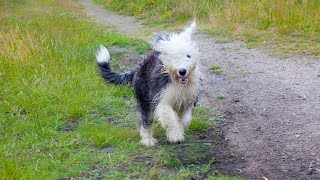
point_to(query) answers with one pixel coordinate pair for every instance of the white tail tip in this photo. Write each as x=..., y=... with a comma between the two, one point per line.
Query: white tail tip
x=103, y=55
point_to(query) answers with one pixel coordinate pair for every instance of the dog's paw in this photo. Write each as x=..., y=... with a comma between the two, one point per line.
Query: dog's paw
x=175, y=136
x=148, y=141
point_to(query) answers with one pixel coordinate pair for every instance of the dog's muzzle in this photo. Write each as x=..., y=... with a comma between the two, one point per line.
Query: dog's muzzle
x=183, y=80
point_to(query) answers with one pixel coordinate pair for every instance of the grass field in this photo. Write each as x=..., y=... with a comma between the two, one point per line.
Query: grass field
x=291, y=27
x=58, y=119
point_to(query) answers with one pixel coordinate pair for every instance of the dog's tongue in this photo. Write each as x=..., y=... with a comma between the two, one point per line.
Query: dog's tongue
x=183, y=80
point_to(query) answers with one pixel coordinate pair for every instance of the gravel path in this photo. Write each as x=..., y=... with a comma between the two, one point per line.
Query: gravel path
x=271, y=115
x=123, y=24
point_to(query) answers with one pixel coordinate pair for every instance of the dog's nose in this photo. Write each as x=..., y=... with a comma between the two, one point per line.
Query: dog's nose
x=182, y=71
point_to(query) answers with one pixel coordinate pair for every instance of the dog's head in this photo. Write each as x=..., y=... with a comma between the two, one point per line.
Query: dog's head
x=178, y=53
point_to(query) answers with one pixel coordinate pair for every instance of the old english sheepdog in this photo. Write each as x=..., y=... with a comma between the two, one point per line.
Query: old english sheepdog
x=166, y=83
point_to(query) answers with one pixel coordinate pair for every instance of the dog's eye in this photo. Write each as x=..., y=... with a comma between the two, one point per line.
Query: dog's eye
x=188, y=56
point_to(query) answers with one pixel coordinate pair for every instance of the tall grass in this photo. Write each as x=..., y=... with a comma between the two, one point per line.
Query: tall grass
x=48, y=79
x=58, y=119
x=274, y=21
x=290, y=16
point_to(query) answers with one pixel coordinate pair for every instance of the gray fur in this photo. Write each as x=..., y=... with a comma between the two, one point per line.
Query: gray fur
x=113, y=77
x=160, y=85
x=162, y=36
x=148, y=80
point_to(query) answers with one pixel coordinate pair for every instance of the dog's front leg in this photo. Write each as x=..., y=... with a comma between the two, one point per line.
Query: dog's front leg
x=170, y=121
x=146, y=136
x=186, y=117
x=146, y=128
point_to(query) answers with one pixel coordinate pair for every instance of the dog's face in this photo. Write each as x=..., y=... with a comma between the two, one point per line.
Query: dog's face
x=179, y=54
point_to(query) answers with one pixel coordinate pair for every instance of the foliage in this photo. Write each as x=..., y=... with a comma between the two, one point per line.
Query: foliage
x=292, y=25
x=58, y=119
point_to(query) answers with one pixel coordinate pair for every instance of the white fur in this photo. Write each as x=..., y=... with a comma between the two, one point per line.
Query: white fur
x=103, y=55
x=146, y=137
x=174, y=100
x=170, y=121
x=186, y=118
x=174, y=52
x=174, y=110
x=180, y=96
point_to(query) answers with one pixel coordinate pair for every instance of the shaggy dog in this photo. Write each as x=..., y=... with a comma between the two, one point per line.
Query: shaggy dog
x=166, y=83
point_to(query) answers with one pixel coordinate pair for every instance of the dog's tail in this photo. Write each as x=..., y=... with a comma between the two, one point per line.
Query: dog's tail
x=107, y=73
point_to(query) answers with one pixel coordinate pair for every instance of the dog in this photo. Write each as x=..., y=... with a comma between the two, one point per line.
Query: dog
x=167, y=83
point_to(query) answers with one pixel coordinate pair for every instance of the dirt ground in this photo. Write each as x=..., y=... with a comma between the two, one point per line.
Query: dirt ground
x=269, y=127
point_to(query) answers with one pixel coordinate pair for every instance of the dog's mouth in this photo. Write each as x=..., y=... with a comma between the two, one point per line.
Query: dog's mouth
x=183, y=80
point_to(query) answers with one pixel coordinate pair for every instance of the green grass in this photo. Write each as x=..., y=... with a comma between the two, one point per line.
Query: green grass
x=220, y=97
x=279, y=27
x=58, y=119
x=216, y=69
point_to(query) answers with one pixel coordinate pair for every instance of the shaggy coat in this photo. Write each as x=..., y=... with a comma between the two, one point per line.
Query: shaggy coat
x=166, y=83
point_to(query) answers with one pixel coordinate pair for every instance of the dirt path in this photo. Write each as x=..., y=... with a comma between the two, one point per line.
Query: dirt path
x=271, y=114
x=274, y=107
x=123, y=24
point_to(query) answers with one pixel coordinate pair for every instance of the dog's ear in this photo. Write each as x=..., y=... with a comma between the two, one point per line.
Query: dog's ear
x=163, y=36
x=189, y=31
